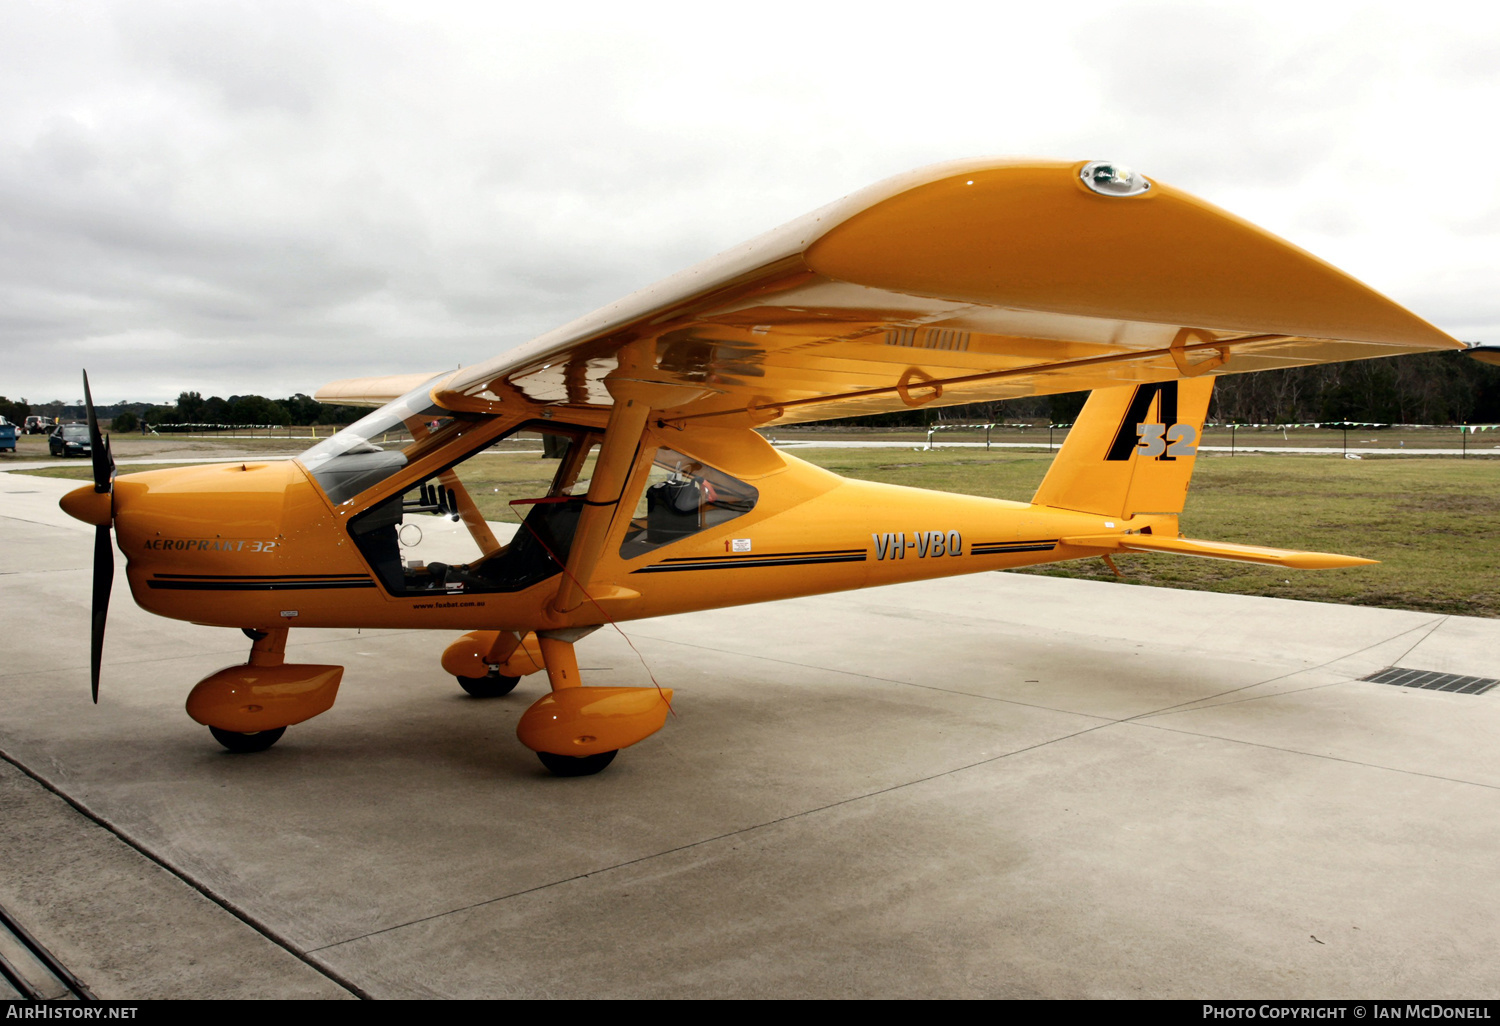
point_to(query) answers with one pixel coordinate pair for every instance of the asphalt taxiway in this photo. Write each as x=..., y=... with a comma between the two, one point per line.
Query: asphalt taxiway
x=988, y=786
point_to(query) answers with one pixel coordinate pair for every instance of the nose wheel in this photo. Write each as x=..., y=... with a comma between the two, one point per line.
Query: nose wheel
x=259, y=741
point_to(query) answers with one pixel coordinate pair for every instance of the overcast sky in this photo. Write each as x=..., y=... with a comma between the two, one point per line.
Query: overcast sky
x=263, y=196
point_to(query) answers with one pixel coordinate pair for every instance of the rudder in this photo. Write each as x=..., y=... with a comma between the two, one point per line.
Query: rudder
x=1132, y=450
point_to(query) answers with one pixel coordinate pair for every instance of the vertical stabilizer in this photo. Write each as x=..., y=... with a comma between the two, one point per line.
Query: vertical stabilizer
x=1131, y=450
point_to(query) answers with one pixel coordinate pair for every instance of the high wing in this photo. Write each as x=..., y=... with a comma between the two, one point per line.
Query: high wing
x=967, y=281
x=369, y=391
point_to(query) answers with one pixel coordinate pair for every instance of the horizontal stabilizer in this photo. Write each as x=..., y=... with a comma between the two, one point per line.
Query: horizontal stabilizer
x=1289, y=558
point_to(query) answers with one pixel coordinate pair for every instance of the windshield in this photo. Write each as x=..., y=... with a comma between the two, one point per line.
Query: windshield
x=75, y=432
x=377, y=446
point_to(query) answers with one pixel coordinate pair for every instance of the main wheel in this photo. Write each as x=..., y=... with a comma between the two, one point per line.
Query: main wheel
x=576, y=765
x=256, y=742
x=493, y=686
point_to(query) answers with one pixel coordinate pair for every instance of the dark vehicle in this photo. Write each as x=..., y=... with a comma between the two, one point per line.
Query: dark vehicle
x=70, y=440
x=7, y=436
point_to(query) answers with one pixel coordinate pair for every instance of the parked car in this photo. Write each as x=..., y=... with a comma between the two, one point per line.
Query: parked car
x=38, y=425
x=70, y=440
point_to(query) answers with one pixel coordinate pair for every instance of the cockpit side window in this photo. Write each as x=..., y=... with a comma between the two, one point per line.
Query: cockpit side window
x=682, y=497
x=497, y=519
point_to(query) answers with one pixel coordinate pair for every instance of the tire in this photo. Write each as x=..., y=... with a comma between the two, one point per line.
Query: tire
x=493, y=686
x=576, y=765
x=256, y=742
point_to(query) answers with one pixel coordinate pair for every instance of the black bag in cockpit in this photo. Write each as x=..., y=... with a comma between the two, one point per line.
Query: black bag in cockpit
x=672, y=509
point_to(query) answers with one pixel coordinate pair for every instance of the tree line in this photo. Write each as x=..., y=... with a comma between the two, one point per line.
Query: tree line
x=1424, y=388
x=300, y=409
x=192, y=408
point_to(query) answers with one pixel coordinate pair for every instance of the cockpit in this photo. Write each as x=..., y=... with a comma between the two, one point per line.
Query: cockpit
x=499, y=513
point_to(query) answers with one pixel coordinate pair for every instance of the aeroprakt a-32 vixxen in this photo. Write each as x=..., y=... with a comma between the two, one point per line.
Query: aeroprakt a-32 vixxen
x=976, y=280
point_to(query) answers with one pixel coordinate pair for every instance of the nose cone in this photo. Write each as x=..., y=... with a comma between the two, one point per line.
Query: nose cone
x=88, y=505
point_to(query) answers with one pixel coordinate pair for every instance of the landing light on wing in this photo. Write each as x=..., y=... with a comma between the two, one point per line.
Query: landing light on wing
x=1110, y=179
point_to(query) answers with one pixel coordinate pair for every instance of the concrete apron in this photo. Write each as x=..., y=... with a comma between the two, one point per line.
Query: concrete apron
x=992, y=786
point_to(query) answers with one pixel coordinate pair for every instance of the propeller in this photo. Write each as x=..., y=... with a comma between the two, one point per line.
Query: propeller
x=104, y=559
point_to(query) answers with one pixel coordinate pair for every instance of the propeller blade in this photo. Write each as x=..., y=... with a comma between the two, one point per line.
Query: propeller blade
x=103, y=460
x=104, y=560
x=104, y=577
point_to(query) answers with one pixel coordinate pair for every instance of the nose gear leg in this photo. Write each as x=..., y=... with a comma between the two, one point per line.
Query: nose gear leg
x=249, y=706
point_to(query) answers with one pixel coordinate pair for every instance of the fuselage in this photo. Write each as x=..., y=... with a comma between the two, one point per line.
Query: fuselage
x=264, y=544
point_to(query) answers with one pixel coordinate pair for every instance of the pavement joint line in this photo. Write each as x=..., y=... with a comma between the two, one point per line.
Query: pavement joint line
x=1317, y=755
x=38, y=523
x=228, y=906
x=883, y=680
x=55, y=570
x=1200, y=702
x=717, y=837
x=202, y=651
x=1414, y=645
x=79, y=667
x=1052, y=708
x=1319, y=687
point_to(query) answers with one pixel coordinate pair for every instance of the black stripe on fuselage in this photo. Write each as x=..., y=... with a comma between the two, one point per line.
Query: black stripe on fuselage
x=743, y=562
x=997, y=548
x=262, y=577
x=288, y=582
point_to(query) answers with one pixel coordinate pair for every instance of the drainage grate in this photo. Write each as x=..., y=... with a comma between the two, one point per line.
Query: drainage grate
x=1432, y=681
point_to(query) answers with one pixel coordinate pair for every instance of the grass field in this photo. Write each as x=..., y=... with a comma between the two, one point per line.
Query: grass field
x=1431, y=522
x=1483, y=443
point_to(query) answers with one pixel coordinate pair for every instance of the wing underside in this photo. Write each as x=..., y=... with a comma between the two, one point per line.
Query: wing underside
x=965, y=282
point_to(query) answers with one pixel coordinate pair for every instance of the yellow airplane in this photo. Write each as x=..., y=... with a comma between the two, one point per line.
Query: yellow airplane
x=963, y=282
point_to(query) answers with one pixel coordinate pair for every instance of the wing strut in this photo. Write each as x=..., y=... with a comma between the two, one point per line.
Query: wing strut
x=635, y=399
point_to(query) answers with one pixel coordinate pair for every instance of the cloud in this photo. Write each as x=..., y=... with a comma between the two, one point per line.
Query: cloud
x=234, y=197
